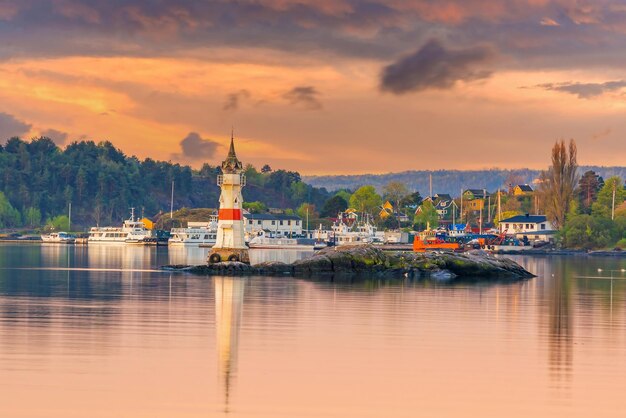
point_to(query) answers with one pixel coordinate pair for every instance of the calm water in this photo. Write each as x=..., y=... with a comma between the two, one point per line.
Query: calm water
x=97, y=332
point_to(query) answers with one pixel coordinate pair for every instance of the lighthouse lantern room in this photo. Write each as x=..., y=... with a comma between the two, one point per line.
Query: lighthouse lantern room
x=230, y=244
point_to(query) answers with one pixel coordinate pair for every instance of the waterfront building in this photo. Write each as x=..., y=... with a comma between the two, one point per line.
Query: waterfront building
x=276, y=225
x=230, y=241
x=536, y=227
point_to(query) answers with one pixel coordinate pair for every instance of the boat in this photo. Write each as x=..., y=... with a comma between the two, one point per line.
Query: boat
x=433, y=243
x=348, y=230
x=506, y=244
x=197, y=233
x=262, y=240
x=59, y=238
x=131, y=232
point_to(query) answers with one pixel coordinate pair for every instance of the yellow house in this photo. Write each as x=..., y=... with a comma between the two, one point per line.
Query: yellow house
x=522, y=190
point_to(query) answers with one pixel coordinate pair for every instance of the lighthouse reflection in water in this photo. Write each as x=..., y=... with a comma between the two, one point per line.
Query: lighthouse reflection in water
x=228, y=309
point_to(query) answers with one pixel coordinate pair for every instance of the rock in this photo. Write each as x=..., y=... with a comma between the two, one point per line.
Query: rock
x=372, y=261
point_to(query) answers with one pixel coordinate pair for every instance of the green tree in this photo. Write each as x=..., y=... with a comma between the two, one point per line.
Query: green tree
x=334, y=205
x=9, y=216
x=58, y=223
x=604, y=204
x=426, y=216
x=255, y=207
x=345, y=194
x=307, y=211
x=366, y=200
x=32, y=217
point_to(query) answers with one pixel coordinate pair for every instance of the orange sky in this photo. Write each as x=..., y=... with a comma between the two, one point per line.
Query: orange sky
x=321, y=87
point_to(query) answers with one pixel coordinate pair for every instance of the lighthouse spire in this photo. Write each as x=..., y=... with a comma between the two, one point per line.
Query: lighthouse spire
x=232, y=164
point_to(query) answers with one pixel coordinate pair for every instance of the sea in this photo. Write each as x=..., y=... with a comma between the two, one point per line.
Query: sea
x=101, y=331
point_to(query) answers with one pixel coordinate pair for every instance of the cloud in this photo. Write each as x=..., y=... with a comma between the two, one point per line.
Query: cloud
x=233, y=100
x=304, y=96
x=546, y=21
x=195, y=148
x=585, y=90
x=10, y=126
x=434, y=66
x=58, y=137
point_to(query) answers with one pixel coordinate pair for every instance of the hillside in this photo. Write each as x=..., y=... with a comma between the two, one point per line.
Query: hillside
x=445, y=181
x=39, y=180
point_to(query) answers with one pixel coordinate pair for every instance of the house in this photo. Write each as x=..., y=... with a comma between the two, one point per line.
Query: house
x=277, y=225
x=522, y=190
x=536, y=227
x=474, y=199
x=443, y=204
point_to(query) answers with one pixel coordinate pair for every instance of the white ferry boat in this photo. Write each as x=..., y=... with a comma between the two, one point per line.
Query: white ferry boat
x=131, y=232
x=59, y=237
x=196, y=233
x=269, y=242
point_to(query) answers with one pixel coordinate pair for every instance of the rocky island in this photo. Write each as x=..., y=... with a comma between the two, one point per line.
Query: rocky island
x=372, y=261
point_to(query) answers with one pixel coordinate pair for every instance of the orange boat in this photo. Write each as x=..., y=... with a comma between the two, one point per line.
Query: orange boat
x=433, y=243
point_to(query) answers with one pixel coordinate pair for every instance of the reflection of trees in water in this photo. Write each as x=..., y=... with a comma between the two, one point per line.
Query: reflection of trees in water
x=560, y=342
x=228, y=309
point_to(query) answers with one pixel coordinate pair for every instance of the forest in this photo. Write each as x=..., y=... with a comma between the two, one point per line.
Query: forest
x=39, y=180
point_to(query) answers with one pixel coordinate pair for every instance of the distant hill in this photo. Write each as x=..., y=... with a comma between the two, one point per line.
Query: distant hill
x=445, y=181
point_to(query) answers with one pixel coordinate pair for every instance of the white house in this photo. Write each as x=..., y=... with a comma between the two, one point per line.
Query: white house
x=274, y=224
x=536, y=227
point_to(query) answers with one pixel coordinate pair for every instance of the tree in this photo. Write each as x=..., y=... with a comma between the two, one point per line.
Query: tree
x=266, y=169
x=307, y=211
x=604, y=204
x=58, y=223
x=334, y=205
x=588, y=187
x=426, y=216
x=366, y=200
x=9, y=216
x=255, y=207
x=395, y=191
x=558, y=182
x=32, y=217
x=412, y=201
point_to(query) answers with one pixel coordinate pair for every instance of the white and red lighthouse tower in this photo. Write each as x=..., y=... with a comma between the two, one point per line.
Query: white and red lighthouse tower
x=230, y=244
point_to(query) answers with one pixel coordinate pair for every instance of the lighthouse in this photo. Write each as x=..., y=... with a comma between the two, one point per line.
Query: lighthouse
x=230, y=244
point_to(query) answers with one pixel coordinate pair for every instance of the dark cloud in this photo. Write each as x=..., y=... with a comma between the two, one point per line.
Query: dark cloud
x=585, y=90
x=233, y=100
x=10, y=126
x=58, y=137
x=532, y=34
x=305, y=97
x=194, y=147
x=434, y=66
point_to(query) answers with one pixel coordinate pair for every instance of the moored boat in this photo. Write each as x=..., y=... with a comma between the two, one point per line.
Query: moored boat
x=58, y=237
x=131, y=232
x=197, y=233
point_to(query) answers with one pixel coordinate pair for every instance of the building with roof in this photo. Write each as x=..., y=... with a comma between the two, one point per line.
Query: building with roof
x=523, y=190
x=536, y=227
x=278, y=225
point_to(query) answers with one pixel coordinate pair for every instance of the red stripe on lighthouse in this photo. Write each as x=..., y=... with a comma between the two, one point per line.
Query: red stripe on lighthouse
x=229, y=215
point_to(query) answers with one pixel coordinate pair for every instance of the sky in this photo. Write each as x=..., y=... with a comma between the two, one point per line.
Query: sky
x=321, y=87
